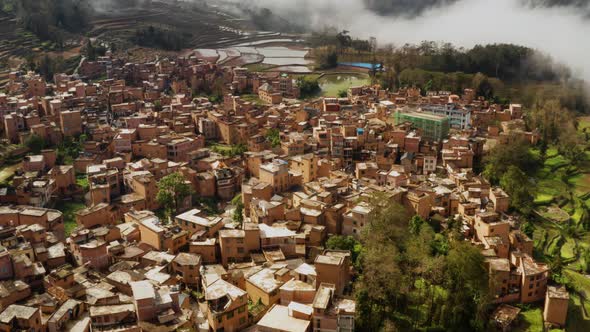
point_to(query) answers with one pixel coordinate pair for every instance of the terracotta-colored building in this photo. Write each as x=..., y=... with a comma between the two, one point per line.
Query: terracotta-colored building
x=187, y=266
x=333, y=266
x=227, y=306
x=556, y=304
x=71, y=123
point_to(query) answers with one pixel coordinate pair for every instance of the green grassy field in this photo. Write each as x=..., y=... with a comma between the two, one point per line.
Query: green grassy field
x=531, y=320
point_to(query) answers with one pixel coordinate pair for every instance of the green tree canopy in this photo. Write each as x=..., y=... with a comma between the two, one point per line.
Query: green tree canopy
x=172, y=189
x=503, y=156
x=238, y=215
x=520, y=189
x=35, y=143
x=309, y=87
x=414, y=278
x=466, y=280
x=274, y=137
x=342, y=242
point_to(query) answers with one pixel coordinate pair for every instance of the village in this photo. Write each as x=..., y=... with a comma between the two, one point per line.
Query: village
x=261, y=179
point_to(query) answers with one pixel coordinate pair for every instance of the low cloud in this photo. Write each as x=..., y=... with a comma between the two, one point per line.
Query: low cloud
x=558, y=27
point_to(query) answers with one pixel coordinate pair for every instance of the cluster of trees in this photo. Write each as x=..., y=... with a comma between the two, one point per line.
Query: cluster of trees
x=439, y=81
x=35, y=143
x=49, y=19
x=68, y=150
x=507, y=62
x=412, y=277
x=557, y=126
x=504, y=61
x=403, y=7
x=341, y=40
x=46, y=65
x=309, y=87
x=508, y=166
x=326, y=57
x=169, y=40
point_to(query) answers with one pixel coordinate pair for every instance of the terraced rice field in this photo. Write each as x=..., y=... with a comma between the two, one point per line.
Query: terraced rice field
x=207, y=27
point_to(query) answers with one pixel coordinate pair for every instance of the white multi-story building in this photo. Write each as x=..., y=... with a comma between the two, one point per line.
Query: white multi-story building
x=459, y=117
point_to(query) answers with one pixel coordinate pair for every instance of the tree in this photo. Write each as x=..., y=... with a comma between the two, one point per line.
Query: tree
x=414, y=278
x=520, y=189
x=482, y=86
x=172, y=189
x=274, y=137
x=327, y=58
x=570, y=142
x=308, y=87
x=341, y=242
x=238, y=215
x=552, y=119
x=416, y=224
x=90, y=50
x=502, y=157
x=466, y=280
x=35, y=143
x=238, y=150
x=157, y=106
x=380, y=289
x=69, y=149
x=344, y=40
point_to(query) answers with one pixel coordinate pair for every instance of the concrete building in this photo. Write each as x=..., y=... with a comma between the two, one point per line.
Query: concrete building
x=432, y=127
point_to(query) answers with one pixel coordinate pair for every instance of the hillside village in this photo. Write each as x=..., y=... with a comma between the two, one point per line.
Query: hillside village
x=269, y=178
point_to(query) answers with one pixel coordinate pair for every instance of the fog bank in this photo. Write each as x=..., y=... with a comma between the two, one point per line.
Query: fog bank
x=558, y=27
